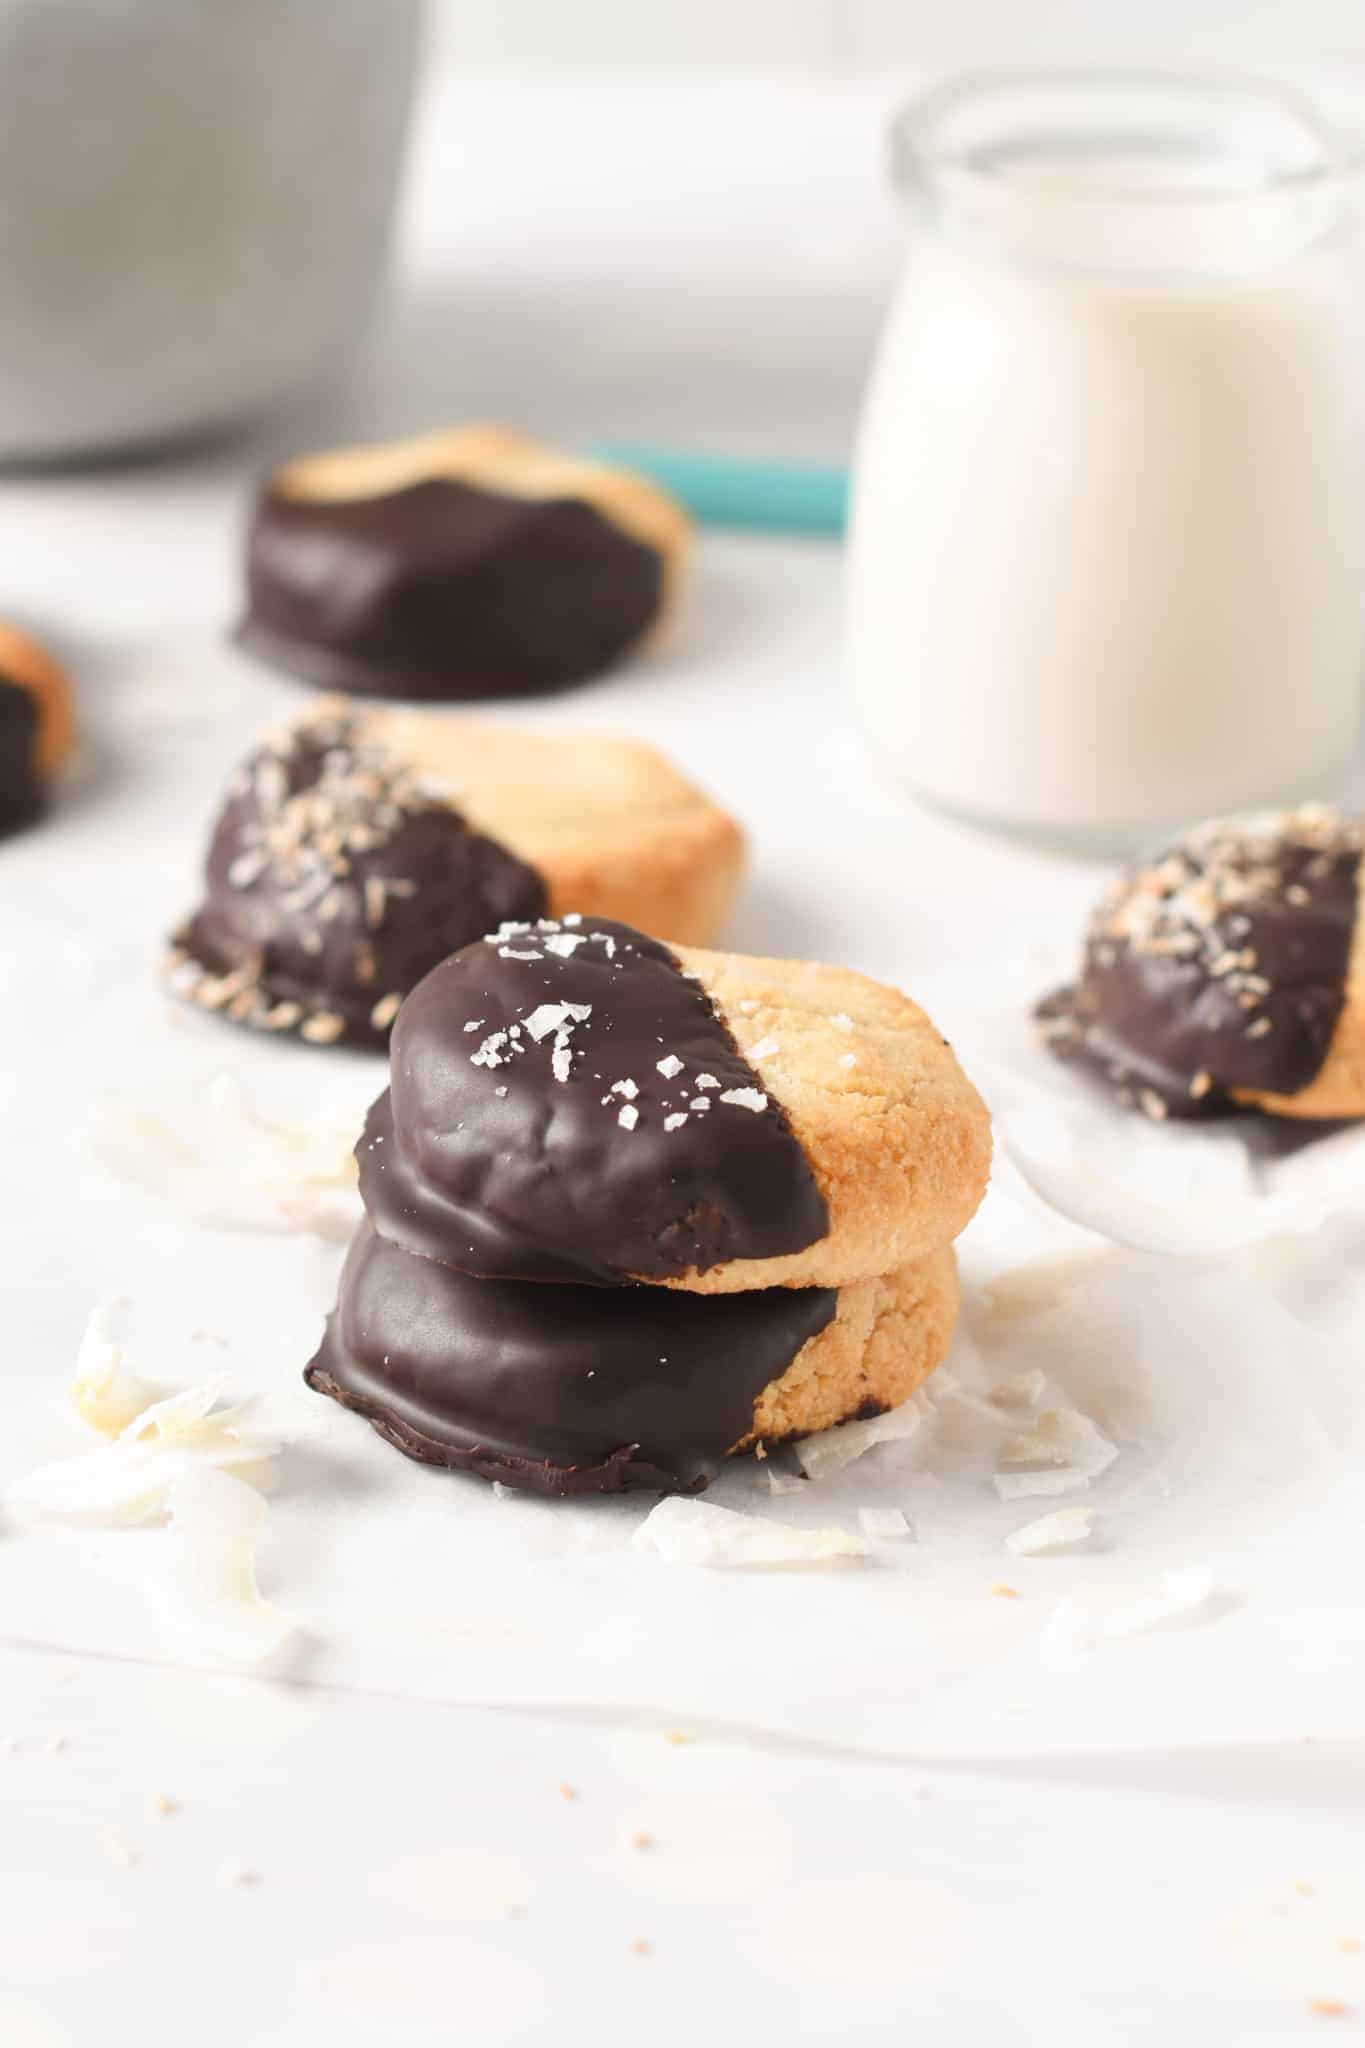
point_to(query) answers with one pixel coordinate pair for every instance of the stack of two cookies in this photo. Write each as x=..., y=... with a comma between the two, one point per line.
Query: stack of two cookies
x=631, y=1209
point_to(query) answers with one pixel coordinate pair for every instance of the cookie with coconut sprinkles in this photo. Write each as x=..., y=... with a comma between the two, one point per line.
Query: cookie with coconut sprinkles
x=334, y=882
x=357, y=849
x=1229, y=974
x=569, y=1390
x=572, y=1101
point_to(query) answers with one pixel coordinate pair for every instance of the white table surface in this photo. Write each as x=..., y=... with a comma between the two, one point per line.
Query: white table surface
x=417, y=1872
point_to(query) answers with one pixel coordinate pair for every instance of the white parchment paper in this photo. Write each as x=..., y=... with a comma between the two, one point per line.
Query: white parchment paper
x=1229, y=1377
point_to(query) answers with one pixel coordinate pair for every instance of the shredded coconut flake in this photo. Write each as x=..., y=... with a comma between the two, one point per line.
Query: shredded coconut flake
x=1066, y=1529
x=848, y=1059
x=564, y=943
x=841, y=1021
x=706, y=1081
x=676, y=1121
x=1065, y=1451
x=698, y=1533
x=628, y=1116
x=626, y=1088
x=106, y=1393
x=887, y=1522
x=834, y=1448
x=745, y=1098
x=766, y=1049
x=129, y=1480
x=670, y=1066
x=216, y=1523
x=1021, y=1390
x=216, y=1160
x=572, y=917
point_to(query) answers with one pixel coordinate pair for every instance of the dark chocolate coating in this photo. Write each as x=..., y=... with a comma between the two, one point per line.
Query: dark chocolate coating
x=444, y=591
x=559, y=1389
x=1221, y=966
x=507, y=1156
x=333, y=885
x=21, y=787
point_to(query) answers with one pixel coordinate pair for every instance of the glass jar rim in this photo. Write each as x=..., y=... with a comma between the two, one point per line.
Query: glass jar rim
x=923, y=150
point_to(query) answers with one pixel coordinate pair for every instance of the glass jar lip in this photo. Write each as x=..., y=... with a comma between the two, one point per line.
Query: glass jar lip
x=920, y=150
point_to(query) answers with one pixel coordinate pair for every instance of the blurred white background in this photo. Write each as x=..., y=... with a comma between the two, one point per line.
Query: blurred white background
x=545, y=38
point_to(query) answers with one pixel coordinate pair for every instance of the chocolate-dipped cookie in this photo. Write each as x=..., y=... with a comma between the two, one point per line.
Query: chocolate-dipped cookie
x=357, y=849
x=570, y=1101
x=576, y=1389
x=1228, y=974
x=473, y=563
x=36, y=727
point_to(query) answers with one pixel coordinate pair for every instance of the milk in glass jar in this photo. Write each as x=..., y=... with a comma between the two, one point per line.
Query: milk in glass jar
x=1106, y=549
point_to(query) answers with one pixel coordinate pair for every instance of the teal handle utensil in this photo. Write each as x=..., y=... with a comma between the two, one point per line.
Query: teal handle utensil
x=722, y=490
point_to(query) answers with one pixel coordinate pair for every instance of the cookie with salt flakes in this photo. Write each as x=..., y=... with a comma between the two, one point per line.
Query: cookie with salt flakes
x=468, y=563
x=358, y=849
x=571, y=1390
x=573, y=1101
x=1228, y=973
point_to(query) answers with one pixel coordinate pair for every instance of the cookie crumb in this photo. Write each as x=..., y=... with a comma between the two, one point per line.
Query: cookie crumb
x=163, y=1804
x=641, y=1839
x=568, y=1792
x=118, y=1848
x=640, y=1947
x=1003, y=1592
x=1329, y=2008
x=237, y=1876
x=1349, y=1945
x=677, y=1738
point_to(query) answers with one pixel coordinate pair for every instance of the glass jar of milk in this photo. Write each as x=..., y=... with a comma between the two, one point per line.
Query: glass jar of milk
x=1106, y=566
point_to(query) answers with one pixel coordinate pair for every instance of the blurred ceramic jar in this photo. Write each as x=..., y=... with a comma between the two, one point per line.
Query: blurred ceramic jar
x=196, y=198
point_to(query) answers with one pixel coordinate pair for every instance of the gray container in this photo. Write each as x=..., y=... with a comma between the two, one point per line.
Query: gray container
x=196, y=199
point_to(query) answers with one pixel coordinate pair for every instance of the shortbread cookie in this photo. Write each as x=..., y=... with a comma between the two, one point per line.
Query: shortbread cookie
x=473, y=563
x=590, y=1390
x=36, y=726
x=570, y=1102
x=1229, y=974
x=358, y=849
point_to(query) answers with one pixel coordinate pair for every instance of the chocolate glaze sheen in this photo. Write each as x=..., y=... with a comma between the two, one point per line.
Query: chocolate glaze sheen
x=561, y=1389
x=1222, y=966
x=526, y=1140
x=21, y=789
x=334, y=884
x=444, y=591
